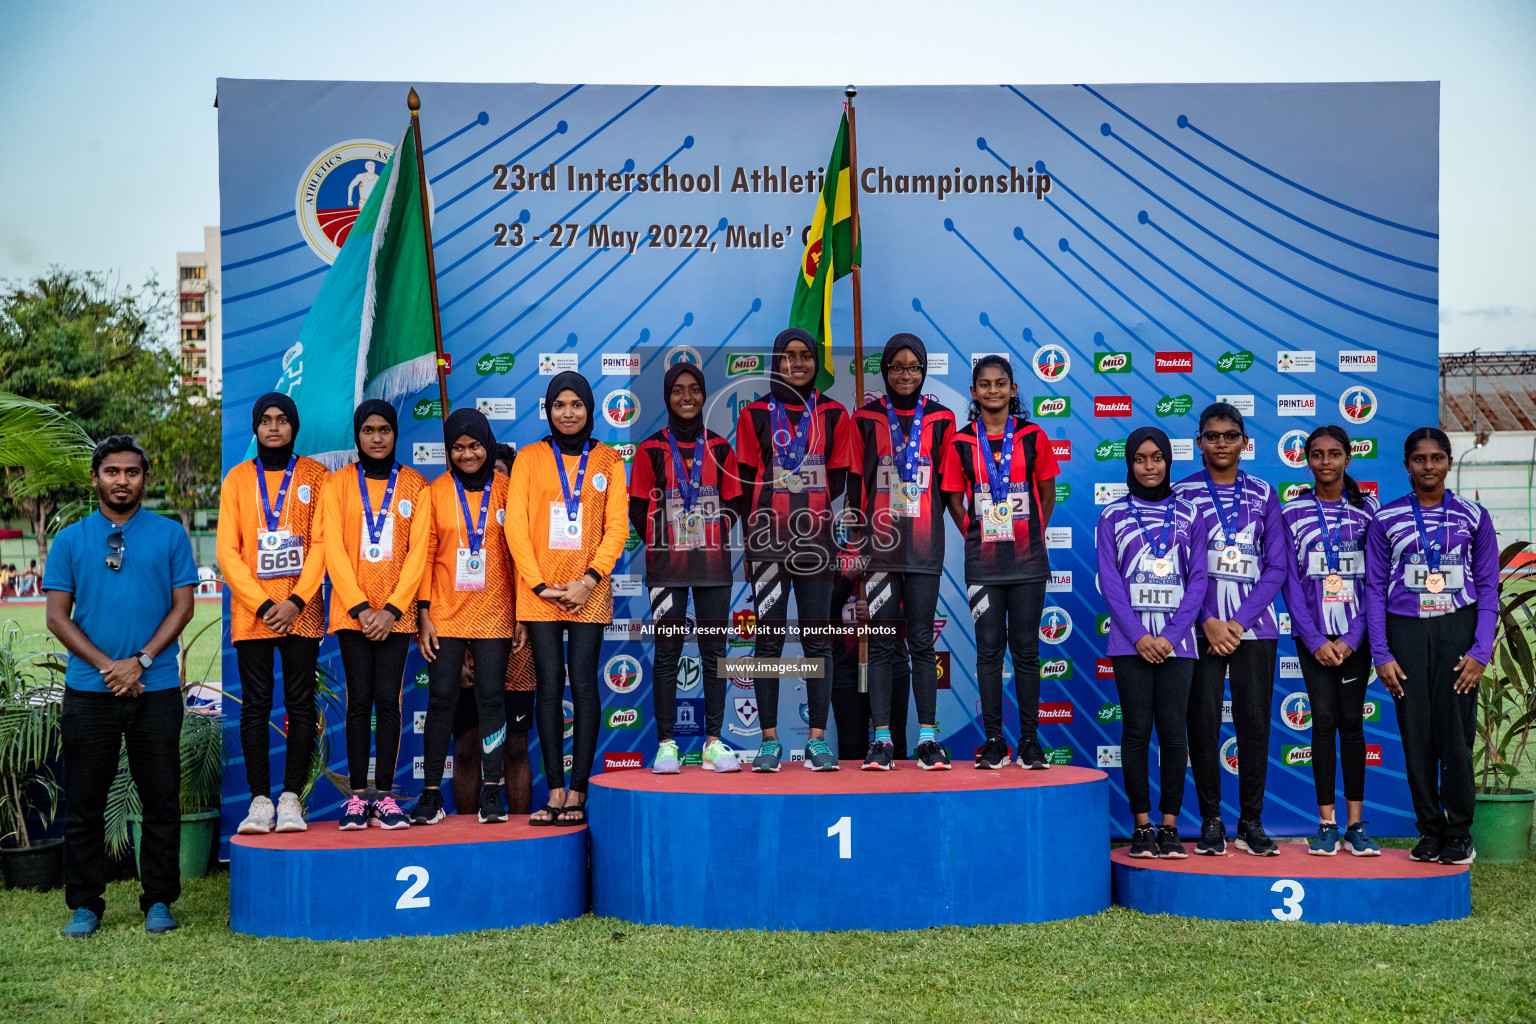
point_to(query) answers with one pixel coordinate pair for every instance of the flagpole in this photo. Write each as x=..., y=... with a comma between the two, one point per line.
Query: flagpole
x=413, y=101
x=858, y=337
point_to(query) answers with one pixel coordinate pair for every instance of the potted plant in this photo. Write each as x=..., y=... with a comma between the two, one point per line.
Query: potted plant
x=1506, y=716
x=31, y=740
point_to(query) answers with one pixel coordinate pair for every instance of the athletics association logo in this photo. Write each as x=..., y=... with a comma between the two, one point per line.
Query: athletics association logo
x=621, y=408
x=1358, y=404
x=1293, y=448
x=1052, y=363
x=622, y=673
x=1055, y=625
x=568, y=710
x=1229, y=755
x=680, y=354
x=1296, y=711
x=334, y=189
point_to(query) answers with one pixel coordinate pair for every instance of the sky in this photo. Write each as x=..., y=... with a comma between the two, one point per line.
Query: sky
x=109, y=158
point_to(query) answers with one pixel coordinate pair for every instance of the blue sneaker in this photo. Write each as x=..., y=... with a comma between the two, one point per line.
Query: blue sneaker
x=82, y=926
x=819, y=756
x=1360, y=844
x=667, y=760
x=768, y=756
x=1327, y=842
x=158, y=920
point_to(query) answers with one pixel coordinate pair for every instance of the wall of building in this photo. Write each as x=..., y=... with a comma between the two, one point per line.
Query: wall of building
x=1499, y=475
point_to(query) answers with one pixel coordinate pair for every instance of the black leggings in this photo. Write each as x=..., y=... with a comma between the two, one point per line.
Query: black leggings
x=444, y=676
x=1153, y=694
x=711, y=606
x=1437, y=724
x=1252, y=668
x=1337, y=697
x=375, y=674
x=912, y=598
x=555, y=658
x=1007, y=617
x=850, y=708
x=255, y=659
x=771, y=586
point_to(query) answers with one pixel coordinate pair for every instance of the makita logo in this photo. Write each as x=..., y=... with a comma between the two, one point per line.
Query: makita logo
x=1103, y=667
x=1059, y=712
x=1174, y=362
x=1373, y=755
x=1112, y=405
x=1062, y=450
x=622, y=761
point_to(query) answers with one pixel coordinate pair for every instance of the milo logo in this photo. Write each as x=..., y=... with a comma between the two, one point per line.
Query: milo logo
x=1110, y=713
x=1362, y=447
x=1175, y=405
x=1063, y=492
x=1112, y=362
x=626, y=451
x=1056, y=668
x=624, y=718
x=1101, y=625
x=744, y=366
x=1295, y=754
x=1053, y=406
x=1372, y=711
x=1106, y=451
x=428, y=409
x=1058, y=755
x=1290, y=491
x=490, y=363
x=1234, y=362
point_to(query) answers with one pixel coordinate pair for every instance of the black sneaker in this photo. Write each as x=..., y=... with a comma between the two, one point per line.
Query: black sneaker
x=1144, y=842
x=1457, y=850
x=994, y=754
x=880, y=757
x=1428, y=849
x=1252, y=838
x=492, y=810
x=1168, y=845
x=429, y=808
x=1032, y=758
x=1213, y=838
x=931, y=757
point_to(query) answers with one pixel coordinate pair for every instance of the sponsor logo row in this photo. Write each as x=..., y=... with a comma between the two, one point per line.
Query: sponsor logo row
x=1053, y=363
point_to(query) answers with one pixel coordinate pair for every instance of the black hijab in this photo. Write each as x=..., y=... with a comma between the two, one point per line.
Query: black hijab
x=1138, y=437
x=782, y=389
x=375, y=469
x=686, y=431
x=903, y=405
x=569, y=380
x=473, y=423
x=275, y=458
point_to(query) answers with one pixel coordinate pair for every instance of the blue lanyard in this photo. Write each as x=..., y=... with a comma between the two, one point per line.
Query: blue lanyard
x=476, y=533
x=274, y=514
x=999, y=468
x=689, y=481
x=906, y=448
x=572, y=502
x=1229, y=526
x=1432, y=551
x=376, y=526
x=1330, y=537
x=1160, y=546
x=790, y=455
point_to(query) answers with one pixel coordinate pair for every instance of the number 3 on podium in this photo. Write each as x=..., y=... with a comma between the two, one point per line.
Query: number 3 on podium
x=1290, y=900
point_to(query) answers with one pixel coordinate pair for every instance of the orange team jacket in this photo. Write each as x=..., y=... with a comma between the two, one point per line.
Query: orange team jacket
x=467, y=614
x=357, y=584
x=241, y=518
x=604, y=529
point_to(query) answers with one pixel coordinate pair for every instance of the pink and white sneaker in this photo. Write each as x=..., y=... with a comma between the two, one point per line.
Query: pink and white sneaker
x=354, y=814
x=388, y=815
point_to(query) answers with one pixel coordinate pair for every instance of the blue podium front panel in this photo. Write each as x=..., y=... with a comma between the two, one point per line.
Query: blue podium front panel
x=1390, y=889
x=850, y=849
x=455, y=876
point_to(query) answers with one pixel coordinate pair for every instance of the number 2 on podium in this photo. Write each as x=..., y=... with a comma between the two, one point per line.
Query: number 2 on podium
x=409, y=900
x=844, y=832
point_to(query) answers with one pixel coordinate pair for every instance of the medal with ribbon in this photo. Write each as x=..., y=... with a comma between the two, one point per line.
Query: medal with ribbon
x=1333, y=583
x=1161, y=563
x=1435, y=581
x=906, y=449
x=689, y=480
x=375, y=527
x=476, y=533
x=790, y=455
x=1230, y=525
x=999, y=471
x=572, y=525
x=274, y=513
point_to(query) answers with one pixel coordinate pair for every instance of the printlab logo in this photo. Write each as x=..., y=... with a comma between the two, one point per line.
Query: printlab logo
x=1052, y=363
x=1296, y=711
x=1358, y=404
x=335, y=188
x=621, y=408
x=1229, y=755
x=1055, y=625
x=1357, y=360
x=622, y=673
x=1293, y=448
x=1296, y=405
x=1060, y=582
x=1175, y=405
x=1174, y=362
x=1112, y=362
x=1056, y=668
x=1234, y=362
x=1052, y=405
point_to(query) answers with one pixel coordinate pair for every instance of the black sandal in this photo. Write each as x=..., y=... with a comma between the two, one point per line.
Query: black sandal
x=554, y=813
x=580, y=809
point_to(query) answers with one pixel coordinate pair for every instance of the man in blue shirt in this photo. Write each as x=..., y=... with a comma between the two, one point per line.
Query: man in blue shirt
x=119, y=586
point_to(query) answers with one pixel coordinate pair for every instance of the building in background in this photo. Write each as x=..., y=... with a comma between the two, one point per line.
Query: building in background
x=1488, y=408
x=200, y=329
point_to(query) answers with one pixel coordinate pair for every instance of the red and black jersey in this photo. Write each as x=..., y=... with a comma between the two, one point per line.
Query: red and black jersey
x=900, y=536
x=1023, y=560
x=790, y=520
x=676, y=556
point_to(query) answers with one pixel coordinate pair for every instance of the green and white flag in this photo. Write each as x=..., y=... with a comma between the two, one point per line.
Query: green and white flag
x=369, y=333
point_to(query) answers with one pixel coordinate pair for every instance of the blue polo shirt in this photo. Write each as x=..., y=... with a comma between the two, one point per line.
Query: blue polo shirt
x=120, y=610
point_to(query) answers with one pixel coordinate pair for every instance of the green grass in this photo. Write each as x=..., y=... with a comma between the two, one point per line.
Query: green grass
x=203, y=656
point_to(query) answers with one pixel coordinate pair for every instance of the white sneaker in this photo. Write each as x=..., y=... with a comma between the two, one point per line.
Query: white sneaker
x=258, y=822
x=290, y=814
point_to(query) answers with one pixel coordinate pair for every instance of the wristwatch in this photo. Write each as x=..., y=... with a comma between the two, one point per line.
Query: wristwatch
x=143, y=659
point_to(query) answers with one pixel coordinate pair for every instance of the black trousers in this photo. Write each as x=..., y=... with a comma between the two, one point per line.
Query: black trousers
x=1007, y=618
x=1337, y=696
x=95, y=727
x=711, y=605
x=1252, y=669
x=1153, y=695
x=772, y=583
x=255, y=659
x=1437, y=724
x=850, y=708
x=910, y=598
x=554, y=660
x=375, y=675
x=445, y=674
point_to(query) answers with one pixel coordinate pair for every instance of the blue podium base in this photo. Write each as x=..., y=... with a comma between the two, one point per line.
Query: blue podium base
x=850, y=849
x=455, y=876
x=1390, y=889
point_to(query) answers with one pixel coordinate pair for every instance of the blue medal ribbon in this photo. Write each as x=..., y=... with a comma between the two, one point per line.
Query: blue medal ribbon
x=572, y=502
x=274, y=514
x=1159, y=546
x=1330, y=537
x=376, y=526
x=1230, y=525
x=791, y=455
x=476, y=534
x=905, y=448
x=690, y=480
x=999, y=466
x=1432, y=551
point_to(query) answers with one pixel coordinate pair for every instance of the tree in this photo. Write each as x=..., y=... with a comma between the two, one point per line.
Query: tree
x=184, y=452
x=45, y=455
